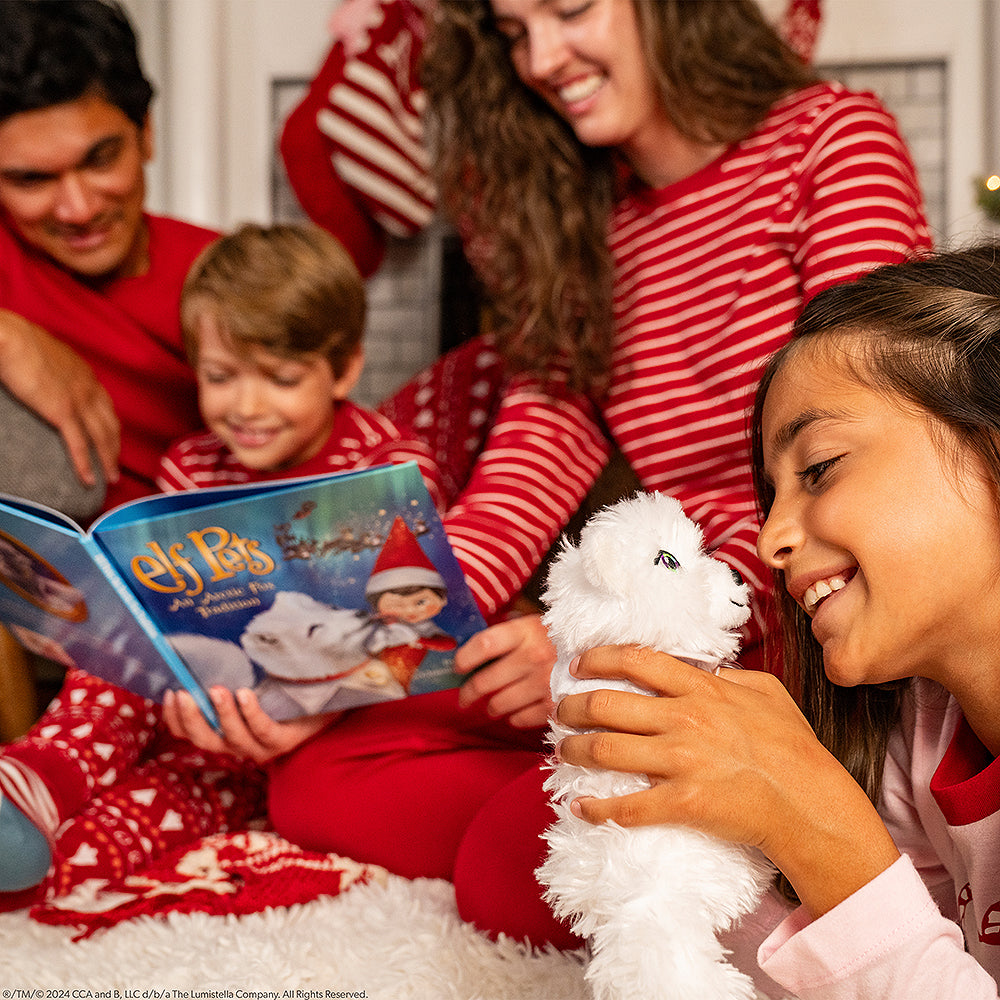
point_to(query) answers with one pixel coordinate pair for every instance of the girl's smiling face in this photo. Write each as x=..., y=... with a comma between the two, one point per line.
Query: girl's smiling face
x=884, y=526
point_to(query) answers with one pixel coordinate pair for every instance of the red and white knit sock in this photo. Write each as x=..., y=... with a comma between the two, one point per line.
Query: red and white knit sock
x=373, y=115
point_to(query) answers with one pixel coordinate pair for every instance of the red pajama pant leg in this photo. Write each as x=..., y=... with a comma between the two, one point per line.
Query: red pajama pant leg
x=494, y=877
x=405, y=811
x=470, y=814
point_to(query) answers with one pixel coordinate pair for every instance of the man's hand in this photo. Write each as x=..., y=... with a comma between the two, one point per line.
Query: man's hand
x=54, y=381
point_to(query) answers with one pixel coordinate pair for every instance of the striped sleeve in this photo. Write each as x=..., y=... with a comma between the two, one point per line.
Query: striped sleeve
x=542, y=456
x=195, y=462
x=860, y=199
x=372, y=119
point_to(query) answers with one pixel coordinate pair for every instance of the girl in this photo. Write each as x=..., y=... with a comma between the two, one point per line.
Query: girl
x=876, y=451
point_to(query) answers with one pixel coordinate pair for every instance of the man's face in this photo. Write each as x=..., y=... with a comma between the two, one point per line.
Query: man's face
x=72, y=185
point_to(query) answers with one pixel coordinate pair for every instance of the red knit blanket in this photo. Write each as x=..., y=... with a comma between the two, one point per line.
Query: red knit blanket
x=235, y=873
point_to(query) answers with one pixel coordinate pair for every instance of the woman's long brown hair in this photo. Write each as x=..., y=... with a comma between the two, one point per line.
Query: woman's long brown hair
x=532, y=203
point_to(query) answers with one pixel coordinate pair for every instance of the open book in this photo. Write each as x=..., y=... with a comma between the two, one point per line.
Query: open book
x=319, y=594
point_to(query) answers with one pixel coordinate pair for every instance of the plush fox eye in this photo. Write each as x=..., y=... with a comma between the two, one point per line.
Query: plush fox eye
x=737, y=576
x=665, y=558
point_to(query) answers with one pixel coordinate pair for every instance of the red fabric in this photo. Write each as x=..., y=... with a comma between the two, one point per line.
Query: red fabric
x=124, y=789
x=353, y=147
x=495, y=884
x=459, y=797
x=129, y=332
x=711, y=273
x=517, y=461
x=222, y=874
x=800, y=26
x=966, y=784
x=451, y=405
x=322, y=194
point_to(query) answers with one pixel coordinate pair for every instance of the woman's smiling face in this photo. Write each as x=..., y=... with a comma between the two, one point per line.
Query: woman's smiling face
x=884, y=527
x=585, y=58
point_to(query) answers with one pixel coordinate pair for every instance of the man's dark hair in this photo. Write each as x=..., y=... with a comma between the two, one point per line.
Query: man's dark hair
x=55, y=51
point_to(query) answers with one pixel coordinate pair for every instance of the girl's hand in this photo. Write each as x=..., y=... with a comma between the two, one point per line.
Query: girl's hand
x=247, y=731
x=731, y=755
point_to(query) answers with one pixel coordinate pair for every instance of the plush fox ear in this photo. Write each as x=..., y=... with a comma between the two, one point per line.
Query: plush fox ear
x=605, y=558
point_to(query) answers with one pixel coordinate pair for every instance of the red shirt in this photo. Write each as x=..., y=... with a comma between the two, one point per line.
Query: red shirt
x=360, y=439
x=128, y=330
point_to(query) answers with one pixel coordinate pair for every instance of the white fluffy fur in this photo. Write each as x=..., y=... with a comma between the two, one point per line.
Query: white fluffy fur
x=400, y=941
x=650, y=900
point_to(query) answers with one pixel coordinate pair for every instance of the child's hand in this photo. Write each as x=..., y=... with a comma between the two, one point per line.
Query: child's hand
x=247, y=731
x=516, y=682
x=731, y=755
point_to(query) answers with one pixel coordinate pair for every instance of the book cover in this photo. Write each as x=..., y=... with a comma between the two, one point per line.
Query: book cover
x=318, y=594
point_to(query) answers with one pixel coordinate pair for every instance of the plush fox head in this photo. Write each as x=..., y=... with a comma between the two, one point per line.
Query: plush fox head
x=640, y=575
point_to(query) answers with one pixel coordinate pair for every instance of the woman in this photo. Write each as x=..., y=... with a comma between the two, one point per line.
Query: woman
x=648, y=193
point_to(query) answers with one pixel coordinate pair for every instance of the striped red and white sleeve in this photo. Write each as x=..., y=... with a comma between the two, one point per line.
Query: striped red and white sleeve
x=543, y=454
x=860, y=200
x=194, y=462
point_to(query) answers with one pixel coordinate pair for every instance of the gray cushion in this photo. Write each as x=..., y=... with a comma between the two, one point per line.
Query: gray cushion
x=34, y=464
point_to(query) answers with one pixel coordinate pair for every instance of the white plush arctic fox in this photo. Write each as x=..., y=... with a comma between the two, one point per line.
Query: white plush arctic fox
x=649, y=900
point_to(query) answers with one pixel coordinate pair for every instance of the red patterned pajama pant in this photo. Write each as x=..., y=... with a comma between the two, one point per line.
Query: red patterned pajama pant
x=102, y=776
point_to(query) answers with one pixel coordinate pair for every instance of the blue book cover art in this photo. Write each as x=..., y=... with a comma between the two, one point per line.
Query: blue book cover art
x=318, y=594
x=60, y=600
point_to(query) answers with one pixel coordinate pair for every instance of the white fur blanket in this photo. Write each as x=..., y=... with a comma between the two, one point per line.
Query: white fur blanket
x=398, y=941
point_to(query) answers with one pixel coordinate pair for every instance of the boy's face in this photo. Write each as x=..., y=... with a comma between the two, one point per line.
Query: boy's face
x=72, y=185
x=271, y=412
x=411, y=608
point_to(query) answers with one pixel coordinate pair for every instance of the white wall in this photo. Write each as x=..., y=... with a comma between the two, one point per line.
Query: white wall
x=213, y=62
x=953, y=30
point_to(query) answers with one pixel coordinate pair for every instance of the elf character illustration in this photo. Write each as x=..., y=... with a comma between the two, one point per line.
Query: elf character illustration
x=406, y=592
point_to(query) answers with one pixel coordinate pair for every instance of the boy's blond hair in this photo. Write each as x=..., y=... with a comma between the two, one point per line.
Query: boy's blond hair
x=288, y=288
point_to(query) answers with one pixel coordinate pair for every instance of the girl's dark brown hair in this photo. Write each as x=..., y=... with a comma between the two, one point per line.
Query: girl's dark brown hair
x=927, y=332
x=533, y=203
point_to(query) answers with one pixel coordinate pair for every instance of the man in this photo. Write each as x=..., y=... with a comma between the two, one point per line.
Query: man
x=89, y=283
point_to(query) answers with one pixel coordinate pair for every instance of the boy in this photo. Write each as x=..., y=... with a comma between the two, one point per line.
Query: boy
x=273, y=319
